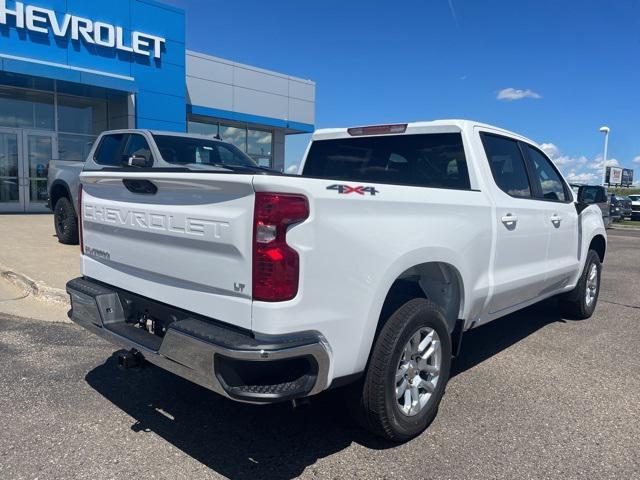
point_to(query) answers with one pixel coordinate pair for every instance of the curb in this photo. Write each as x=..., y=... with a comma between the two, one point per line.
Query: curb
x=39, y=290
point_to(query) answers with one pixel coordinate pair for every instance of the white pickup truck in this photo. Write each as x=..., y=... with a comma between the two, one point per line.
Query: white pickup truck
x=365, y=269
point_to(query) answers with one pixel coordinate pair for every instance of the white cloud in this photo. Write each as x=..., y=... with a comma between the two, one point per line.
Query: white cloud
x=560, y=160
x=581, y=169
x=292, y=169
x=550, y=149
x=516, y=94
x=582, y=177
x=597, y=163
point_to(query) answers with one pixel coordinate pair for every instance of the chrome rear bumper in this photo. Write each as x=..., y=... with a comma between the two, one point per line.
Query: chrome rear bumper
x=206, y=352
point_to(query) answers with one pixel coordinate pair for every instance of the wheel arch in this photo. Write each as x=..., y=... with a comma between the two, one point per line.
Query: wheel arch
x=438, y=278
x=438, y=281
x=599, y=245
x=58, y=190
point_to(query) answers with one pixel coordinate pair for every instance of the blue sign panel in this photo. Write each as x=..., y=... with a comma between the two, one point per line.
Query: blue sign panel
x=133, y=46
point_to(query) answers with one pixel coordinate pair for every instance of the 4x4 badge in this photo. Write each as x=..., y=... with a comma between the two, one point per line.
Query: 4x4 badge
x=347, y=189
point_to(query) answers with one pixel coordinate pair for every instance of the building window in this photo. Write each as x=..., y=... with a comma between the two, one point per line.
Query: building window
x=202, y=128
x=74, y=147
x=80, y=121
x=81, y=115
x=258, y=144
x=234, y=135
x=26, y=109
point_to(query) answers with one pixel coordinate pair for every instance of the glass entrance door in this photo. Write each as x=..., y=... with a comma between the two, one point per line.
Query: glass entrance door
x=38, y=148
x=10, y=150
x=24, y=163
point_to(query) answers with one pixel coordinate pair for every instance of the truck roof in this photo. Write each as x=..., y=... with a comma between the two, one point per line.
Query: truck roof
x=159, y=132
x=421, y=127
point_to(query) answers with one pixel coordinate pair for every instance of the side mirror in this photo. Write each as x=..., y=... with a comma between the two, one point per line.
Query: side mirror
x=135, y=161
x=581, y=206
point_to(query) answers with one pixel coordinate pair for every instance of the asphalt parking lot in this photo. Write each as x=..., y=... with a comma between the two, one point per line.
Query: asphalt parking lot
x=532, y=396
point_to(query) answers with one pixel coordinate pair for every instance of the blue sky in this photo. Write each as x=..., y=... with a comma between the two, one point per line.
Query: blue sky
x=575, y=65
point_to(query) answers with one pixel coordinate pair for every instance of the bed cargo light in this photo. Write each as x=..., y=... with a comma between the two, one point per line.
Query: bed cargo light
x=377, y=129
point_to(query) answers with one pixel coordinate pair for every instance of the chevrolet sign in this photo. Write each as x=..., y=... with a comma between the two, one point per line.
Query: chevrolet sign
x=43, y=20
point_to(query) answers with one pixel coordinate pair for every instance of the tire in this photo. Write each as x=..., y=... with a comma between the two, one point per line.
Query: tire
x=576, y=304
x=378, y=409
x=65, y=222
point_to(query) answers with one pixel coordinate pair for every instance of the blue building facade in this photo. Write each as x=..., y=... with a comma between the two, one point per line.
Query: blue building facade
x=70, y=69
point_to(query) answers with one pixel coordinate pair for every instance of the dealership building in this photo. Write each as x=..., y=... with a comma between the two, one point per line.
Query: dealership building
x=70, y=69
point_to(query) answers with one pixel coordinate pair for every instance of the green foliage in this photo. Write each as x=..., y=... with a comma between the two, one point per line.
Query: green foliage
x=623, y=191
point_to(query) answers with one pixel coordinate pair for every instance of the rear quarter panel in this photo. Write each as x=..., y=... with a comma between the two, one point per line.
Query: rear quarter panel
x=67, y=173
x=353, y=247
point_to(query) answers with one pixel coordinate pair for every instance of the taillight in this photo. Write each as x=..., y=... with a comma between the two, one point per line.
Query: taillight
x=80, y=219
x=276, y=265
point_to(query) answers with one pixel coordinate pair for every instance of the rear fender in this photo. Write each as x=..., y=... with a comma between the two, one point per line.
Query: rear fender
x=404, y=263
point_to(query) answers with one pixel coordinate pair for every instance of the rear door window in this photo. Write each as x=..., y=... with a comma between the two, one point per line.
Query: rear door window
x=426, y=160
x=507, y=165
x=108, y=151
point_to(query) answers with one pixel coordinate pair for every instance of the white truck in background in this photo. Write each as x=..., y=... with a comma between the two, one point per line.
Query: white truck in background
x=366, y=269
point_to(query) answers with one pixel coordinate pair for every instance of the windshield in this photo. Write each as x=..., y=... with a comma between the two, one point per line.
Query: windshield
x=201, y=151
x=634, y=198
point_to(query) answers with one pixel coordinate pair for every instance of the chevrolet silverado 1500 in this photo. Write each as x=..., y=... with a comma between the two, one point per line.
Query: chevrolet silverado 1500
x=365, y=269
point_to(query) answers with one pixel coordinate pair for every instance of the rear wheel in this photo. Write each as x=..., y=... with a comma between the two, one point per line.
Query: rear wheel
x=65, y=221
x=407, y=373
x=582, y=300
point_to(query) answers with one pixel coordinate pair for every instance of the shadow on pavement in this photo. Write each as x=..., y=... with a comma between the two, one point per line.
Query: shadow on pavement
x=486, y=341
x=236, y=440
x=273, y=441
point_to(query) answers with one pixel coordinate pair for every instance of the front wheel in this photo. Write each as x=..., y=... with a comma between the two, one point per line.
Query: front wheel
x=582, y=300
x=408, y=371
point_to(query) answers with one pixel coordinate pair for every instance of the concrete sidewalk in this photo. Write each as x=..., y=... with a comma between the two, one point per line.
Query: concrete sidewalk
x=30, y=252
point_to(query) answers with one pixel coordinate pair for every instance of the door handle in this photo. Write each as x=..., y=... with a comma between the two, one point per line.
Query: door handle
x=509, y=220
x=140, y=186
x=556, y=219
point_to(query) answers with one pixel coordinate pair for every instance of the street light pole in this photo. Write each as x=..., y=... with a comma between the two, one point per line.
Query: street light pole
x=606, y=131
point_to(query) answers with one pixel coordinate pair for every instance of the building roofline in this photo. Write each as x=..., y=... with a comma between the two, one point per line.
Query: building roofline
x=248, y=67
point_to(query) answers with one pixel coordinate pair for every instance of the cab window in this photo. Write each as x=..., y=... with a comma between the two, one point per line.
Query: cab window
x=550, y=183
x=137, y=146
x=507, y=165
x=435, y=160
x=108, y=151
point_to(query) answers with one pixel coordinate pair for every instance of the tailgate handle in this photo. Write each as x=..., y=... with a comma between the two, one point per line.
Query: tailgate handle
x=140, y=186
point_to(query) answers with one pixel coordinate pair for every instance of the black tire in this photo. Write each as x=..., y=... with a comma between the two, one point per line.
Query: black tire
x=574, y=303
x=65, y=222
x=378, y=409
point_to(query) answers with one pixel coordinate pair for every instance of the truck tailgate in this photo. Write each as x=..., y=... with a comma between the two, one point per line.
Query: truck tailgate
x=189, y=244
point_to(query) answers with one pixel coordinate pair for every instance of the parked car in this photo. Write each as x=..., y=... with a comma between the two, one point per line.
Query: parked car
x=635, y=206
x=627, y=207
x=364, y=270
x=620, y=207
x=594, y=194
